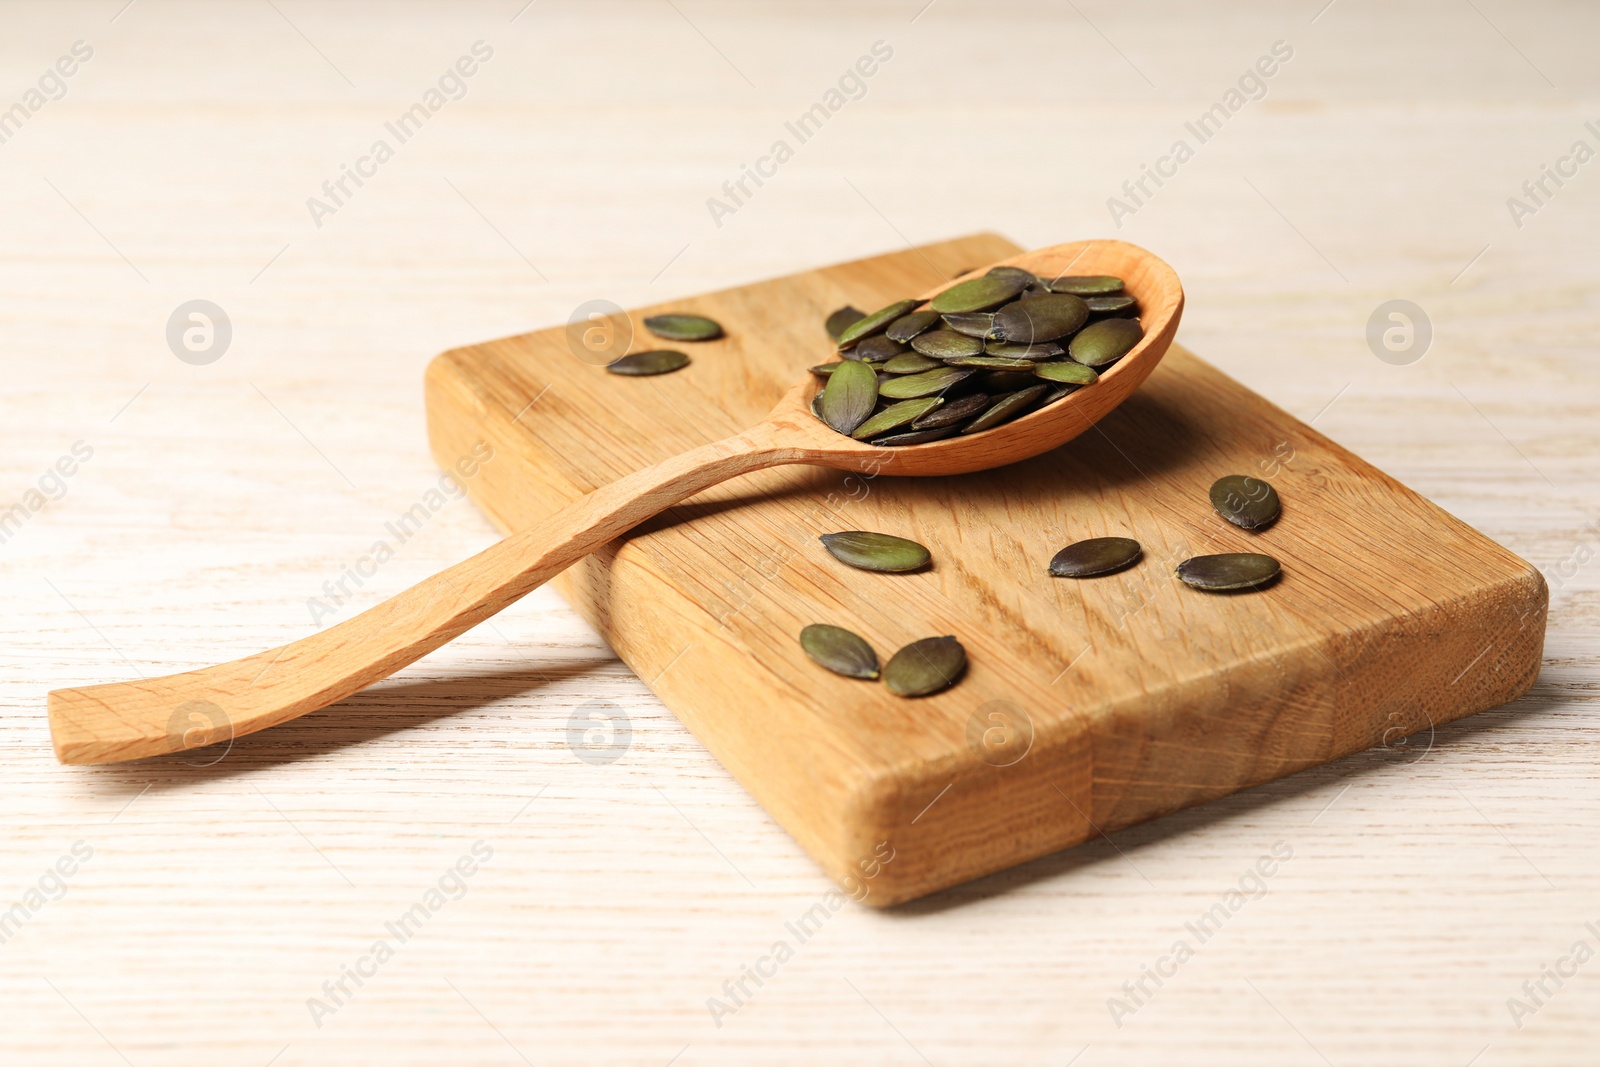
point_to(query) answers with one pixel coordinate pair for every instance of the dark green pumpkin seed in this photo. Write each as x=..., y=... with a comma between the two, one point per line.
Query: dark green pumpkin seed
x=896, y=415
x=683, y=327
x=928, y=383
x=992, y=362
x=989, y=291
x=1056, y=394
x=822, y=370
x=906, y=327
x=980, y=325
x=1246, y=501
x=1040, y=318
x=1007, y=407
x=1228, y=571
x=1095, y=556
x=1106, y=305
x=953, y=412
x=657, y=361
x=915, y=437
x=839, y=650
x=1086, y=285
x=925, y=667
x=877, y=349
x=911, y=363
x=869, y=551
x=1105, y=341
x=1067, y=372
x=842, y=320
x=875, y=322
x=1027, y=276
x=946, y=344
x=816, y=402
x=849, y=396
x=1047, y=350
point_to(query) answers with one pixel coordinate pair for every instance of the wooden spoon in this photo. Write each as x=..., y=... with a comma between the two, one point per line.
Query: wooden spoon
x=129, y=720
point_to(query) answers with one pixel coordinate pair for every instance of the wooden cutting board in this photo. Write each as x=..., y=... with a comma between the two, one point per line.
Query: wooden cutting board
x=1088, y=705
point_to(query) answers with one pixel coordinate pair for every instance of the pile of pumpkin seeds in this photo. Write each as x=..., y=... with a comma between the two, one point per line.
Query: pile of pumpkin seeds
x=981, y=353
x=670, y=327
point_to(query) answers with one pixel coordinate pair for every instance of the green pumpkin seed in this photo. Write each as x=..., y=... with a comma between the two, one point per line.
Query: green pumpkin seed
x=1040, y=318
x=1105, y=341
x=1047, y=350
x=869, y=551
x=1027, y=276
x=915, y=437
x=992, y=362
x=953, y=412
x=946, y=344
x=1067, y=372
x=657, y=361
x=1056, y=394
x=816, y=403
x=896, y=415
x=925, y=667
x=911, y=363
x=822, y=370
x=849, y=396
x=1095, y=556
x=839, y=650
x=928, y=383
x=877, y=349
x=980, y=325
x=1246, y=501
x=874, y=323
x=1229, y=570
x=906, y=327
x=1007, y=407
x=989, y=291
x=683, y=327
x=1106, y=305
x=1086, y=285
x=842, y=320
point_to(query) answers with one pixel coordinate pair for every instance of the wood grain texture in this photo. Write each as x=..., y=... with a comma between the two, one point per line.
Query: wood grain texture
x=1115, y=700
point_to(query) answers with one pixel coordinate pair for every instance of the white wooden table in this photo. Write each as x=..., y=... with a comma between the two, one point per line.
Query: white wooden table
x=207, y=906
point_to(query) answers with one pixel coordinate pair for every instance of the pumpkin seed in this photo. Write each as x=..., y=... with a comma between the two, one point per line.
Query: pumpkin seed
x=877, y=349
x=870, y=551
x=927, y=383
x=1007, y=407
x=1027, y=276
x=906, y=327
x=874, y=323
x=1047, y=350
x=1095, y=556
x=1086, y=285
x=915, y=437
x=1104, y=305
x=1056, y=394
x=842, y=320
x=980, y=325
x=1040, y=318
x=925, y=667
x=849, y=396
x=977, y=294
x=1105, y=341
x=992, y=362
x=1246, y=501
x=952, y=412
x=946, y=344
x=683, y=327
x=896, y=415
x=911, y=363
x=1229, y=570
x=822, y=370
x=839, y=650
x=1066, y=372
x=657, y=361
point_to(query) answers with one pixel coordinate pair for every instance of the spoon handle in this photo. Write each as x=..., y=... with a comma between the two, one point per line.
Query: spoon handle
x=130, y=720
